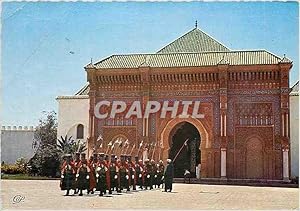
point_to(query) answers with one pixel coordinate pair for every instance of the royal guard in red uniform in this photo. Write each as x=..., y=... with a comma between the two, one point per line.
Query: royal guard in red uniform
x=124, y=174
x=148, y=175
x=93, y=164
x=133, y=176
x=83, y=175
x=102, y=176
x=139, y=171
x=114, y=174
x=67, y=175
x=154, y=174
x=76, y=164
x=160, y=172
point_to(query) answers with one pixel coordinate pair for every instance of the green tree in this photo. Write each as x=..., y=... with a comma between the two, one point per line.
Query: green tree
x=46, y=160
x=46, y=131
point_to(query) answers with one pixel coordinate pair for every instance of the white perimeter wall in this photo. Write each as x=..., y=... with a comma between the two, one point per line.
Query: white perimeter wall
x=16, y=143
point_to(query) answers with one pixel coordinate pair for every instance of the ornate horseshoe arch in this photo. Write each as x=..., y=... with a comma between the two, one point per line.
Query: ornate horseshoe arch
x=165, y=134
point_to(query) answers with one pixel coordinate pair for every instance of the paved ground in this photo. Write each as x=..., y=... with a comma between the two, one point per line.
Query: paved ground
x=44, y=194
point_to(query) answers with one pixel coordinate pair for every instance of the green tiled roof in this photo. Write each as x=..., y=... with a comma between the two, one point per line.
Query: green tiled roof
x=193, y=42
x=256, y=57
x=285, y=60
x=84, y=90
x=295, y=89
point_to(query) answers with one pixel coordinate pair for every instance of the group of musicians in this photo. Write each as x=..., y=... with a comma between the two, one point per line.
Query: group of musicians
x=107, y=174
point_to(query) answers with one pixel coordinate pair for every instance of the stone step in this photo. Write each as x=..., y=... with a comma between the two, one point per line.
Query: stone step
x=240, y=182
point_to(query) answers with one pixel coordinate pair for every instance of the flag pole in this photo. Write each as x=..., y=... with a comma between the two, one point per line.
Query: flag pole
x=154, y=149
x=132, y=149
x=184, y=144
x=160, y=149
x=141, y=144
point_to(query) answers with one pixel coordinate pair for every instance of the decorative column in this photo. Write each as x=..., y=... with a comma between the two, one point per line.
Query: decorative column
x=145, y=81
x=223, y=66
x=285, y=163
x=223, y=162
x=90, y=69
x=285, y=65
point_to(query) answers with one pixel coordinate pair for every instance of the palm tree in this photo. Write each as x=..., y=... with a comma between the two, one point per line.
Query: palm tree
x=65, y=144
x=80, y=146
x=68, y=146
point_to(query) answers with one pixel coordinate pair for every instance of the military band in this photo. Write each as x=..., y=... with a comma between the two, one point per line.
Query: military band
x=105, y=175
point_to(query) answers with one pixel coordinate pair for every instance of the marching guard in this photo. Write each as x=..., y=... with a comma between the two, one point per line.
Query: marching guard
x=67, y=175
x=132, y=172
x=160, y=173
x=124, y=174
x=139, y=171
x=147, y=175
x=82, y=175
x=92, y=165
x=154, y=174
x=76, y=164
x=102, y=176
x=113, y=174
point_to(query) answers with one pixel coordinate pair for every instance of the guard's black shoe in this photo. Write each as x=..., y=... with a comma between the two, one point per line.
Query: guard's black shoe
x=110, y=192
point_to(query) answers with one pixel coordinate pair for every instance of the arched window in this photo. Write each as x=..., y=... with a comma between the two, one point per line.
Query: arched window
x=80, y=130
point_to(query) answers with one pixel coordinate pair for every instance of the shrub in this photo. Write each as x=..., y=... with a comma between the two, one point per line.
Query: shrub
x=12, y=169
x=20, y=167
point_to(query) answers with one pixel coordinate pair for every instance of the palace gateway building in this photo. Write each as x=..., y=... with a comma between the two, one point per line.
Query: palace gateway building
x=243, y=129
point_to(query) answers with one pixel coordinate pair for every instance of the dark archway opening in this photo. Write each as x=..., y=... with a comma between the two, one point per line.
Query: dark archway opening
x=189, y=156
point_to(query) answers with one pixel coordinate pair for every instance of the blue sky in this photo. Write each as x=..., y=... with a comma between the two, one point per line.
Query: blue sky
x=37, y=39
